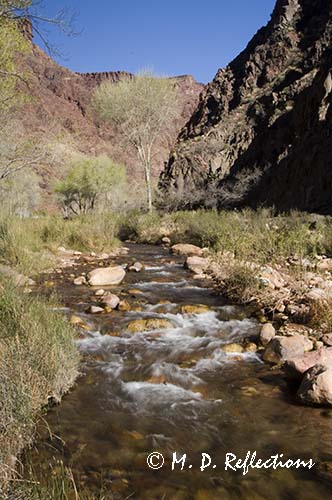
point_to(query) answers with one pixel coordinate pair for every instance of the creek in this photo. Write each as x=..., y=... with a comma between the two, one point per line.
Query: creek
x=176, y=390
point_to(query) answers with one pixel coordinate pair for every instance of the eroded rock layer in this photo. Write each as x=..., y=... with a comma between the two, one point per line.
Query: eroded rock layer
x=261, y=134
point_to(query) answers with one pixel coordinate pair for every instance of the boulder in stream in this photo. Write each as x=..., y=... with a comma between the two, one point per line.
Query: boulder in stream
x=106, y=276
x=267, y=333
x=111, y=301
x=95, y=310
x=187, y=249
x=80, y=280
x=232, y=348
x=316, y=386
x=143, y=325
x=281, y=349
x=194, y=309
x=196, y=264
x=297, y=366
x=136, y=267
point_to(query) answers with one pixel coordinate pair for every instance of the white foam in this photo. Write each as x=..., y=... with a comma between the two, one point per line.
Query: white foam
x=175, y=374
x=148, y=394
x=154, y=268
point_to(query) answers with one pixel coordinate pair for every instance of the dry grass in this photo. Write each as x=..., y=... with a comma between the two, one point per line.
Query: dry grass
x=38, y=361
x=320, y=317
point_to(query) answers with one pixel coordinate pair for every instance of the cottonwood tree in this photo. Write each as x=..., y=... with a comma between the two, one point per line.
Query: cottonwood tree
x=89, y=182
x=143, y=109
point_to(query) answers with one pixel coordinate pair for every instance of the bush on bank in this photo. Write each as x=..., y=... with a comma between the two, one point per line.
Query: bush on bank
x=29, y=244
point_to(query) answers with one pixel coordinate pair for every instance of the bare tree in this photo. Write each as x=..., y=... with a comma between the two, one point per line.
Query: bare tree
x=32, y=11
x=143, y=109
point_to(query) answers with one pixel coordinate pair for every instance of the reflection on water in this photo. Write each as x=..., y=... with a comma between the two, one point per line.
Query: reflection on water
x=177, y=390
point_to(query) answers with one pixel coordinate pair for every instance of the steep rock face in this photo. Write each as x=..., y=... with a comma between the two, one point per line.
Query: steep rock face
x=261, y=134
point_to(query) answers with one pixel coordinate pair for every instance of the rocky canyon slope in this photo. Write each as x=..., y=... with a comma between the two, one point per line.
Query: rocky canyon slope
x=262, y=131
x=58, y=107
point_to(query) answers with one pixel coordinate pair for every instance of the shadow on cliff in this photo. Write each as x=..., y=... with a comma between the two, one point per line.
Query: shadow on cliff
x=294, y=155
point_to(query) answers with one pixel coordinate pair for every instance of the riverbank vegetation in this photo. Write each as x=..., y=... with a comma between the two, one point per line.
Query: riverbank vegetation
x=38, y=364
x=260, y=236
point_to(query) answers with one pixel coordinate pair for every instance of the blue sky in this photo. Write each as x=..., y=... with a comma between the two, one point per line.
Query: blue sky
x=172, y=37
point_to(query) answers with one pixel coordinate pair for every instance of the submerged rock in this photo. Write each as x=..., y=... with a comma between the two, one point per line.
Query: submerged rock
x=250, y=347
x=106, y=276
x=194, y=309
x=78, y=321
x=316, y=387
x=142, y=325
x=124, y=306
x=230, y=348
x=281, y=349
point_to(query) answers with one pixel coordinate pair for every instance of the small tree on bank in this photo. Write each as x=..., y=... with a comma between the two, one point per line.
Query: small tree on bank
x=143, y=109
x=88, y=183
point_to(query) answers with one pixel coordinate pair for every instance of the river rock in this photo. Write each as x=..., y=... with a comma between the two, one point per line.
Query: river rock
x=166, y=240
x=135, y=291
x=297, y=366
x=316, y=295
x=267, y=333
x=80, y=280
x=104, y=256
x=77, y=321
x=194, y=309
x=327, y=339
x=123, y=251
x=196, y=264
x=325, y=265
x=17, y=278
x=142, y=325
x=187, y=249
x=106, y=276
x=111, y=301
x=230, y=348
x=316, y=386
x=137, y=267
x=100, y=292
x=124, y=306
x=95, y=310
x=250, y=347
x=280, y=349
x=271, y=278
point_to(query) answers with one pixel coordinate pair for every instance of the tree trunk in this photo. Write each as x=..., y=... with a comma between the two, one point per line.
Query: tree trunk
x=147, y=168
x=148, y=185
x=145, y=157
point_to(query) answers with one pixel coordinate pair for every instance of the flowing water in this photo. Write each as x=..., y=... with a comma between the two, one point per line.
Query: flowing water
x=175, y=390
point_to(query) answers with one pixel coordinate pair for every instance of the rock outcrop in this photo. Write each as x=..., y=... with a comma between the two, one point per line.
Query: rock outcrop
x=261, y=134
